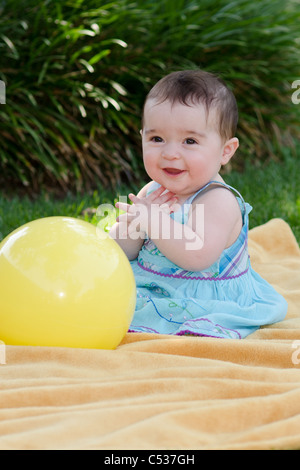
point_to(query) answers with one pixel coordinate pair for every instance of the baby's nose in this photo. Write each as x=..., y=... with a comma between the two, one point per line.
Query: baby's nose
x=171, y=152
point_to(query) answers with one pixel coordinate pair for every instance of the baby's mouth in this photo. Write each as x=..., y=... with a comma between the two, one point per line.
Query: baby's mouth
x=173, y=171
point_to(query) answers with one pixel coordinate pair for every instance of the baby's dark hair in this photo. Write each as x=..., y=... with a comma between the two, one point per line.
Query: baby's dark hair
x=191, y=87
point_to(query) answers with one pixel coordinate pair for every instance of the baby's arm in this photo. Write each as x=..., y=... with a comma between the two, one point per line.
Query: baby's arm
x=128, y=231
x=214, y=223
x=119, y=232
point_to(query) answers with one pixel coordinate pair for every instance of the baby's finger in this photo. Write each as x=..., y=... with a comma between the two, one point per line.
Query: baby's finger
x=157, y=193
x=123, y=206
x=124, y=218
x=174, y=206
x=161, y=192
x=166, y=208
x=168, y=198
x=134, y=198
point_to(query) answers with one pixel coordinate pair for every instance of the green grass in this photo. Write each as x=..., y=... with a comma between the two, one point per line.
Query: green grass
x=272, y=189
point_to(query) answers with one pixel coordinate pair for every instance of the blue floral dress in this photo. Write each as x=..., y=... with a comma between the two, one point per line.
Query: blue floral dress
x=227, y=300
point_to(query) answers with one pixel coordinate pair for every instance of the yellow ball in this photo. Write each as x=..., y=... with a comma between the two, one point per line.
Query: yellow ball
x=64, y=283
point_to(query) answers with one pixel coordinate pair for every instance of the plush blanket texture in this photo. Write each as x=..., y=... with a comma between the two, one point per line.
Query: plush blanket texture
x=161, y=392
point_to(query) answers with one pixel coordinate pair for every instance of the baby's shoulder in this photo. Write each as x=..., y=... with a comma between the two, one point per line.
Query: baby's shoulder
x=221, y=208
x=217, y=193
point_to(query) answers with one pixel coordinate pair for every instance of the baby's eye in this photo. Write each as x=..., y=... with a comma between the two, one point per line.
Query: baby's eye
x=190, y=141
x=156, y=138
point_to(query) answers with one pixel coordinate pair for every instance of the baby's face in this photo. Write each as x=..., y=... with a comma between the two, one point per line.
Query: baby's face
x=182, y=149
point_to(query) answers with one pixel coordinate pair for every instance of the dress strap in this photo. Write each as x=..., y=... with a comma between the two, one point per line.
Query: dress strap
x=245, y=207
x=227, y=186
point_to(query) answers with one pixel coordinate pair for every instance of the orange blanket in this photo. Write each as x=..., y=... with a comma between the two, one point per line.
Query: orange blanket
x=160, y=392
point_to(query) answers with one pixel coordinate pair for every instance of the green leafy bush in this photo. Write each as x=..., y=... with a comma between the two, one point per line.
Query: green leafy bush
x=67, y=118
x=77, y=73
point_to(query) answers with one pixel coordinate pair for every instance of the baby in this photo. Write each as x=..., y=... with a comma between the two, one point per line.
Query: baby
x=186, y=231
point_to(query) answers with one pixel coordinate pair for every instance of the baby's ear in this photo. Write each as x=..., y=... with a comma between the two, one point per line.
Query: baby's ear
x=229, y=149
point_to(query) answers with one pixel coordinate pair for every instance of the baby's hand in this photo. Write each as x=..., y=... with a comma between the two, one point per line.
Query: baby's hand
x=138, y=216
x=161, y=198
